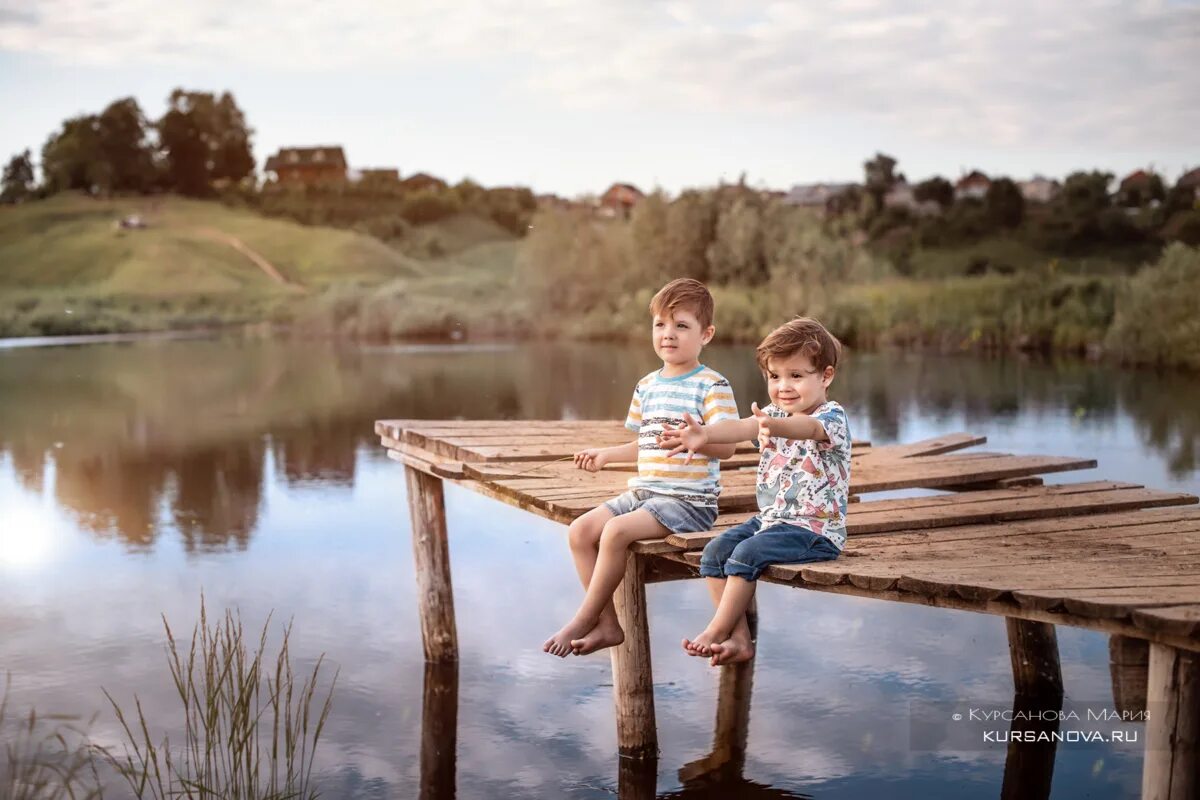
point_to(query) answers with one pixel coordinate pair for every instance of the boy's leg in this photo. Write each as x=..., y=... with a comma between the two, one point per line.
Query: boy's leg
x=780, y=544
x=618, y=534
x=712, y=568
x=583, y=536
x=702, y=644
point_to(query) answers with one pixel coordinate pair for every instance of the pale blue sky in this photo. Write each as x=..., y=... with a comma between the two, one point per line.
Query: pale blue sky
x=568, y=96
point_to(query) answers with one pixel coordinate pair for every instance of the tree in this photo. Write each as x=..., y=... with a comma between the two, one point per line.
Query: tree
x=937, y=189
x=72, y=158
x=123, y=142
x=1004, y=203
x=1085, y=192
x=17, y=183
x=204, y=139
x=879, y=176
x=736, y=256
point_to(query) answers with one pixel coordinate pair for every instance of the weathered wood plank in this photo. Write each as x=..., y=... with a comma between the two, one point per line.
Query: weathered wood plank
x=1183, y=620
x=928, y=447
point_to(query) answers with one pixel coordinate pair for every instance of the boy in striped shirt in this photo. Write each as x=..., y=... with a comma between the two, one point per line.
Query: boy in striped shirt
x=669, y=494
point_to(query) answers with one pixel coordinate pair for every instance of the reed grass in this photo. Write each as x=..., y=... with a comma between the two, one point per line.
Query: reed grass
x=45, y=758
x=250, y=731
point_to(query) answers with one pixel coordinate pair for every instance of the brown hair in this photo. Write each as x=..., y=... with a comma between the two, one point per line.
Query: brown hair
x=685, y=293
x=801, y=335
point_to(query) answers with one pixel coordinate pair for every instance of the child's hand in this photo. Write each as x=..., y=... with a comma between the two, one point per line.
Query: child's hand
x=593, y=459
x=764, y=425
x=690, y=436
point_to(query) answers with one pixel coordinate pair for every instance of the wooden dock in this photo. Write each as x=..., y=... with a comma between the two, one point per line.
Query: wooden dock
x=1113, y=557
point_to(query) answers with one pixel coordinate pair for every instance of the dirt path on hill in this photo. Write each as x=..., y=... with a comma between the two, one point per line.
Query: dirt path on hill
x=263, y=264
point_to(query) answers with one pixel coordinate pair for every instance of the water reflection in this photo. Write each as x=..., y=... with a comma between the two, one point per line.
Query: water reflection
x=129, y=428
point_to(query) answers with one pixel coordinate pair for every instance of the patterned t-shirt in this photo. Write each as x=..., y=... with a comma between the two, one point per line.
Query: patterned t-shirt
x=805, y=482
x=704, y=394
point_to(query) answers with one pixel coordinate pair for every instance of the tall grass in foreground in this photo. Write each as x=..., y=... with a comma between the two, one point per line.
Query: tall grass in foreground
x=249, y=728
x=45, y=758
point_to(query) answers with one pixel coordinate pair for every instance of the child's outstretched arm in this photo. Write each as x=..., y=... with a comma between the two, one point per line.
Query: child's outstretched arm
x=692, y=436
x=594, y=458
x=796, y=426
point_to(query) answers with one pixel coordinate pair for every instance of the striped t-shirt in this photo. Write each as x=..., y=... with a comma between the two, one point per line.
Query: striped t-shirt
x=704, y=394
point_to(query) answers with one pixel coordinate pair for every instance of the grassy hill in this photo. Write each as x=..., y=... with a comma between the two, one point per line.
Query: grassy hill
x=66, y=267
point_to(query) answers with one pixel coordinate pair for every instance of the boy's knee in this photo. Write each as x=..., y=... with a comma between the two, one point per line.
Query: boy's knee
x=745, y=560
x=583, y=534
x=615, y=534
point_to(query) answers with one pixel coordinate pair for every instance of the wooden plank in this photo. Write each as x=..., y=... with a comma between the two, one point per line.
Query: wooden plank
x=1111, y=603
x=1181, y=620
x=1034, y=506
x=1096, y=525
x=997, y=608
x=927, y=447
x=884, y=516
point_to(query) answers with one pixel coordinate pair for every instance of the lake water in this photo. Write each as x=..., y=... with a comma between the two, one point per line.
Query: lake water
x=135, y=475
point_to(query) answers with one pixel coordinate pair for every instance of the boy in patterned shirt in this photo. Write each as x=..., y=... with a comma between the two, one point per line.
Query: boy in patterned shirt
x=803, y=481
x=671, y=493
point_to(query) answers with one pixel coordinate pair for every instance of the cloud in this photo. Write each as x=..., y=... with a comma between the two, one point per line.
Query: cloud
x=1024, y=74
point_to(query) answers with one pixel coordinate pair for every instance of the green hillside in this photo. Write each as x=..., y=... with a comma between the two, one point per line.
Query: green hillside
x=67, y=267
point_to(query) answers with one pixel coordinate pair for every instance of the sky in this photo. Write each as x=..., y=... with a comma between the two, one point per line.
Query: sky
x=568, y=96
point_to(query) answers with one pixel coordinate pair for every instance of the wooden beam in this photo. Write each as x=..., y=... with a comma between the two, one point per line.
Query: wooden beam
x=633, y=680
x=1129, y=663
x=1033, y=649
x=439, y=730
x=1171, y=766
x=431, y=557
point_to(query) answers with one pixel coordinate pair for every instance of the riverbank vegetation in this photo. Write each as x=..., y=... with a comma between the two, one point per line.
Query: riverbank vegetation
x=134, y=227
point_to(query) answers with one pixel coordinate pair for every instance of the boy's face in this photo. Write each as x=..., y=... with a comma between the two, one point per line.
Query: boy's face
x=678, y=337
x=795, y=385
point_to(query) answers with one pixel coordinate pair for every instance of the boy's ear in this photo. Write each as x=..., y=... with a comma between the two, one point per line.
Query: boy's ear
x=708, y=334
x=827, y=378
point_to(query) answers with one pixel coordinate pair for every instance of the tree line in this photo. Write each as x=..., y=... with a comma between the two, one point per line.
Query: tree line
x=202, y=138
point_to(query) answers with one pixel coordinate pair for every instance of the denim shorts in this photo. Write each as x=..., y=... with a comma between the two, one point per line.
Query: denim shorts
x=677, y=516
x=746, y=551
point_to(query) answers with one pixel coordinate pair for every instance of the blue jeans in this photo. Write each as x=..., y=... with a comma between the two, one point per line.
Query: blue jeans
x=746, y=551
x=677, y=516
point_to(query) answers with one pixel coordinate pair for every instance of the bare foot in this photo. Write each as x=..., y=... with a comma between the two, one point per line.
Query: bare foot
x=560, y=643
x=607, y=633
x=702, y=644
x=731, y=651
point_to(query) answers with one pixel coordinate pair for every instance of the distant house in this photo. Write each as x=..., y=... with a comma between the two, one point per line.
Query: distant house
x=307, y=165
x=619, y=200
x=1190, y=180
x=1137, y=188
x=423, y=180
x=379, y=175
x=815, y=195
x=974, y=185
x=1038, y=189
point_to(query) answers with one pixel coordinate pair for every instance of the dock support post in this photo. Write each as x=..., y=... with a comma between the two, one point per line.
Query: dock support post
x=1128, y=663
x=633, y=681
x=431, y=557
x=1033, y=647
x=1171, y=767
x=439, y=731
